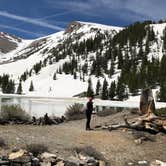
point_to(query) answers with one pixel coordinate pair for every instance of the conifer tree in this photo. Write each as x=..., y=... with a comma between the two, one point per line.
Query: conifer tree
x=54, y=76
x=112, y=90
x=75, y=75
x=19, y=89
x=98, y=87
x=121, y=90
x=162, y=94
x=90, y=92
x=31, y=88
x=104, y=94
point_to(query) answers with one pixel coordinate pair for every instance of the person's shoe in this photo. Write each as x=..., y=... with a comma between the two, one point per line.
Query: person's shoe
x=89, y=129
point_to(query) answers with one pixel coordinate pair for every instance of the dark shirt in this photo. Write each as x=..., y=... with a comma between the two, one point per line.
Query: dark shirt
x=89, y=107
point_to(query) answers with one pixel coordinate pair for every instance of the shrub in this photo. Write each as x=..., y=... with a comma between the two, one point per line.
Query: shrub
x=36, y=149
x=161, y=112
x=106, y=112
x=2, y=142
x=75, y=112
x=14, y=113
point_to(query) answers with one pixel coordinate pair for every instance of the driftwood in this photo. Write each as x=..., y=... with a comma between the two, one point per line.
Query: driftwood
x=151, y=123
x=148, y=121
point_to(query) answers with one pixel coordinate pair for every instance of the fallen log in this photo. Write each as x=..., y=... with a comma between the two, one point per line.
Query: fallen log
x=148, y=121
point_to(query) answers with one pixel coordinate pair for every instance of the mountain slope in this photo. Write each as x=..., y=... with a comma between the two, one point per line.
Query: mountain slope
x=33, y=52
x=62, y=63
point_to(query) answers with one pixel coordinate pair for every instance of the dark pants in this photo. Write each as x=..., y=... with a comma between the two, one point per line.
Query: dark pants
x=88, y=117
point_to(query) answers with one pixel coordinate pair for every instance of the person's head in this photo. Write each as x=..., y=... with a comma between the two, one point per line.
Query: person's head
x=90, y=98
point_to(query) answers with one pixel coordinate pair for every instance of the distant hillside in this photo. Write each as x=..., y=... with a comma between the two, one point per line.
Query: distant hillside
x=8, y=42
x=110, y=62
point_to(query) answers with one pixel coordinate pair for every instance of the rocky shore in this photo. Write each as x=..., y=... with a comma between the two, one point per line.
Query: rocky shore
x=118, y=147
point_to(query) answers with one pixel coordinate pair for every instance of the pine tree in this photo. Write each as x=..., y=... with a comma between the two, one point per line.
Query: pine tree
x=31, y=88
x=121, y=90
x=75, y=75
x=104, y=94
x=112, y=90
x=98, y=87
x=112, y=70
x=19, y=89
x=54, y=76
x=162, y=94
x=90, y=92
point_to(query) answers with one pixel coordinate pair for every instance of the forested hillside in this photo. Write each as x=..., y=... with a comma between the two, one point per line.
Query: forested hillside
x=112, y=63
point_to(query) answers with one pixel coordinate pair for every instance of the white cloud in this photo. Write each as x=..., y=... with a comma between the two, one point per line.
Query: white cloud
x=124, y=9
x=29, y=20
x=20, y=30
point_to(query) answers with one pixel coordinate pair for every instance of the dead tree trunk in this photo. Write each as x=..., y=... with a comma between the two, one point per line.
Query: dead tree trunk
x=148, y=121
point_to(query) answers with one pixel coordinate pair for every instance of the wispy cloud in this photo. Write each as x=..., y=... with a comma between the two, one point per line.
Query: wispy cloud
x=30, y=20
x=124, y=9
x=20, y=30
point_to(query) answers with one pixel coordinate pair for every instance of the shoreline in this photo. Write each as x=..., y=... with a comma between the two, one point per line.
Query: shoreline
x=130, y=103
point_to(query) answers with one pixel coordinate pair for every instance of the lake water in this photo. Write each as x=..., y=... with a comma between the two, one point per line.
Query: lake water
x=38, y=106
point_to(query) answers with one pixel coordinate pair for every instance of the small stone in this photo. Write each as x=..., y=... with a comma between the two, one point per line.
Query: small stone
x=17, y=154
x=35, y=162
x=60, y=163
x=138, y=141
x=142, y=162
x=2, y=162
x=158, y=163
x=102, y=163
x=72, y=161
x=47, y=155
x=45, y=164
x=125, y=130
x=90, y=160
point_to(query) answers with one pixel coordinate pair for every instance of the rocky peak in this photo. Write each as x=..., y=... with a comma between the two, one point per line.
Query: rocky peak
x=75, y=25
x=8, y=42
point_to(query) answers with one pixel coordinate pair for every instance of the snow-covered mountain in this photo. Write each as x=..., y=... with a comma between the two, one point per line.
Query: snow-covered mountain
x=82, y=43
x=29, y=52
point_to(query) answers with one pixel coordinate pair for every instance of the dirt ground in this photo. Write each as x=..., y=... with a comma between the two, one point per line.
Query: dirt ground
x=117, y=146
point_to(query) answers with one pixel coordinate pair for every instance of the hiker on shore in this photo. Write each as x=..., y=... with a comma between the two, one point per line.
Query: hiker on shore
x=89, y=110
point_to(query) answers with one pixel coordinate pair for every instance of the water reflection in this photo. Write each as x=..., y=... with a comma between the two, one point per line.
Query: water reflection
x=38, y=107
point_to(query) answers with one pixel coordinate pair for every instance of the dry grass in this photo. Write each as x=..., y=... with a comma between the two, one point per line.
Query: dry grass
x=13, y=113
x=36, y=149
x=2, y=142
x=75, y=112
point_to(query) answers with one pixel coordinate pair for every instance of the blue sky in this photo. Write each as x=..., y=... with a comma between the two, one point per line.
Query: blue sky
x=36, y=18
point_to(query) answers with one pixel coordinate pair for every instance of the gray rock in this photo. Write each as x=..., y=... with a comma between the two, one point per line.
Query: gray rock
x=90, y=159
x=72, y=161
x=35, y=162
x=3, y=162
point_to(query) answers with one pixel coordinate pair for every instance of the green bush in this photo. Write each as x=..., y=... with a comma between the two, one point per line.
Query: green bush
x=161, y=112
x=13, y=113
x=36, y=148
x=75, y=112
x=2, y=142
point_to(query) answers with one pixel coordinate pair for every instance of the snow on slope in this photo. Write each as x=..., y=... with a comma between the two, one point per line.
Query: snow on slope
x=44, y=85
x=9, y=56
x=100, y=26
x=65, y=85
x=156, y=48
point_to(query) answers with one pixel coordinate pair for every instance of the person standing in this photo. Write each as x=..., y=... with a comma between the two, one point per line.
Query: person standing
x=89, y=110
